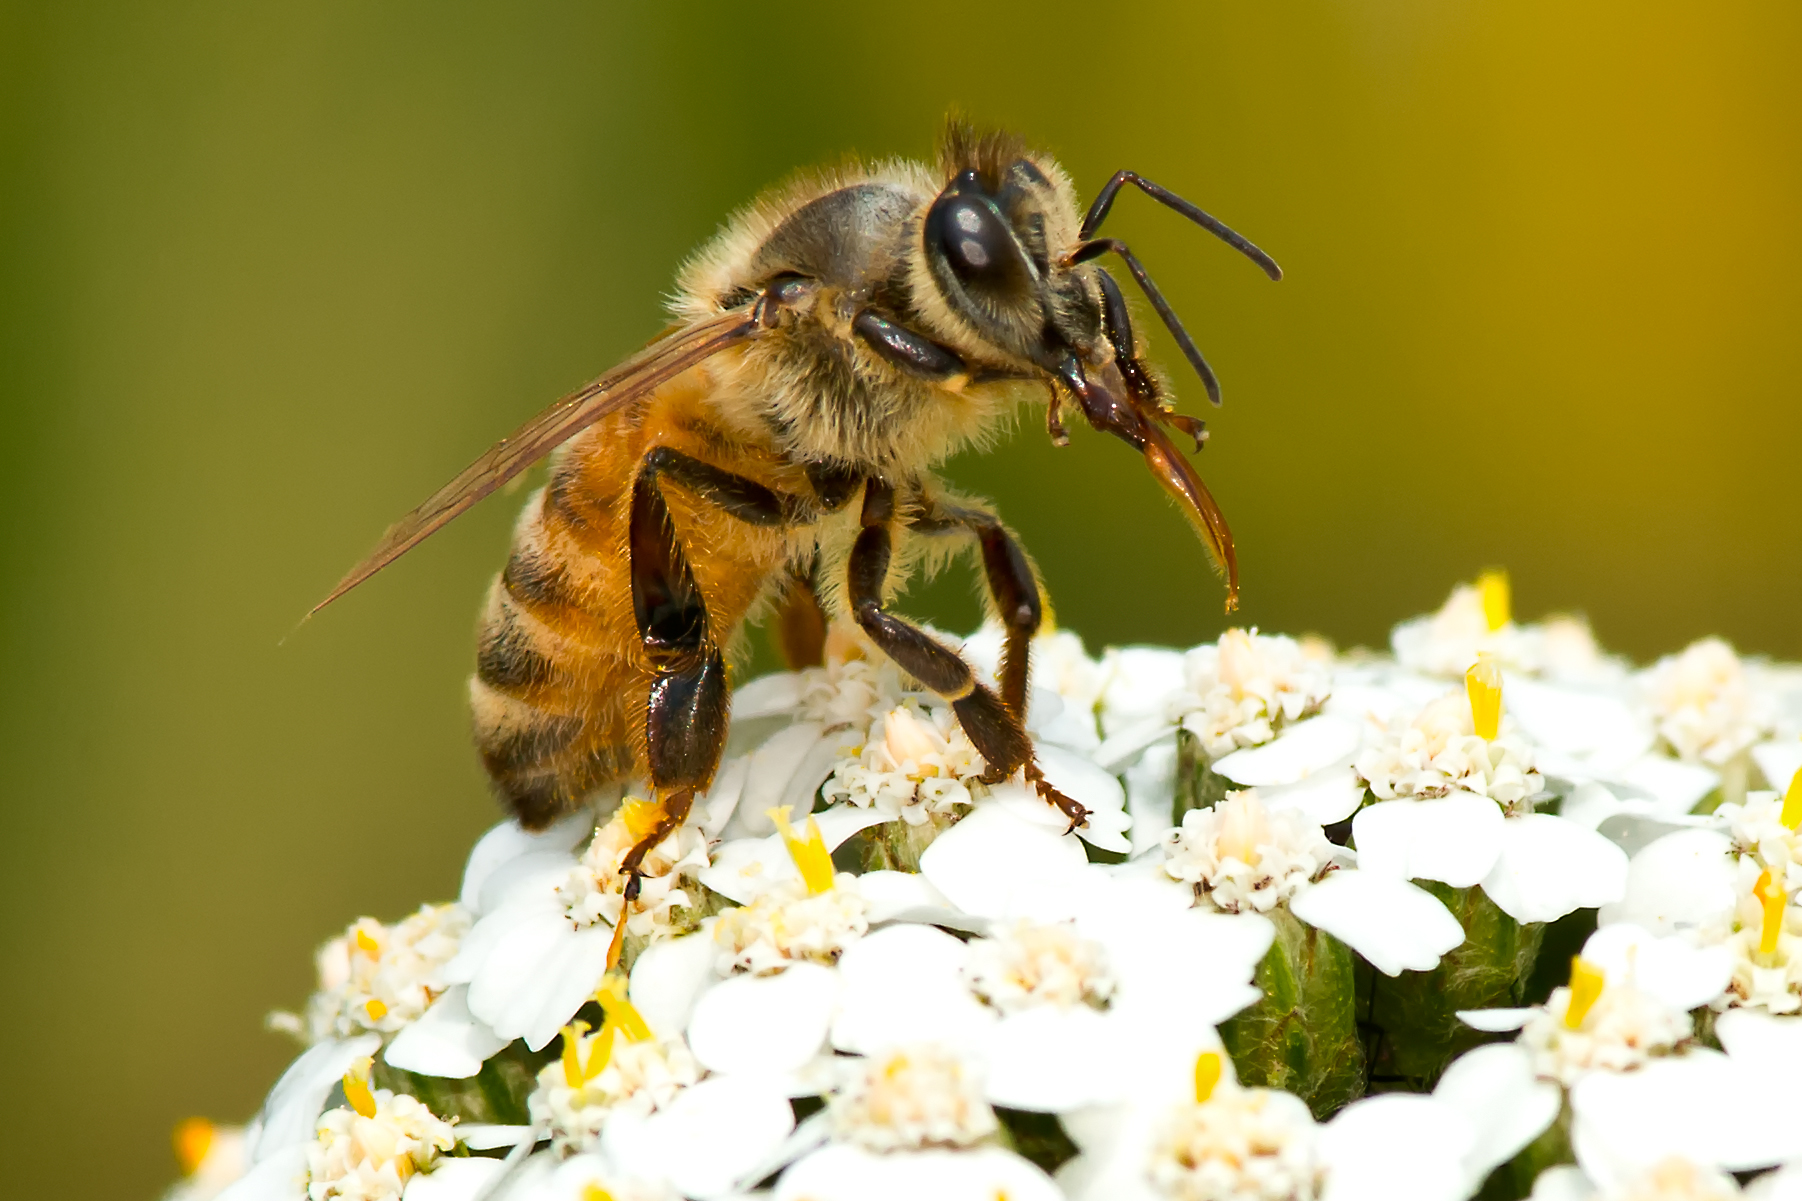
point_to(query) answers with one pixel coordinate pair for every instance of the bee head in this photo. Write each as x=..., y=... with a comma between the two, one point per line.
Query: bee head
x=994, y=243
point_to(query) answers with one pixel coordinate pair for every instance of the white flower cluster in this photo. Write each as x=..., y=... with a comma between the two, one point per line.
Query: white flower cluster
x=1438, y=751
x=383, y=978
x=776, y=1010
x=1240, y=691
x=1242, y=858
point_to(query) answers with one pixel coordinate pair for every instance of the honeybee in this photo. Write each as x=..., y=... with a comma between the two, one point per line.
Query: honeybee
x=773, y=451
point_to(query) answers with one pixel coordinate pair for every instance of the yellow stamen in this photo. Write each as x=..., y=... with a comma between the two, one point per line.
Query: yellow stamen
x=572, y=1063
x=601, y=1050
x=611, y=996
x=1586, y=980
x=1775, y=899
x=1494, y=587
x=1792, y=802
x=594, y=1192
x=1207, y=1075
x=811, y=857
x=640, y=817
x=356, y=1087
x=193, y=1139
x=1483, y=683
x=375, y=1009
x=368, y=945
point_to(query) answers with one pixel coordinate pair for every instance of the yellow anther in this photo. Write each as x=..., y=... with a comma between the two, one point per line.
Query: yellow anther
x=1207, y=1075
x=375, y=1009
x=1586, y=980
x=356, y=1087
x=811, y=857
x=1494, y=587
x=640, y=817
x=572, y=1063
x=1775, y=899
x=594, y=1192
x=611, y=996
x=368, y=945
x=193, y=1139
x=1792, y=802
x=1483, y=682
x=600, y=1051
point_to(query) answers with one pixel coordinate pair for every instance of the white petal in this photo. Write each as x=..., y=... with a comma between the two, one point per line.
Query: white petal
x=1455, y=839
x=1151, y=794
x=773, y=765
x=523, y=879
x=1387, y=920
x=668, y=978
x=840, y=1172
x=1077, y=777
x=710, y=1136
x=509, y=840
x=1507, y=1105
x=767, y=696
x=1674, y=785
x=910, y=897
x=447, y=1040
x=452, y=1179
x=904, y=985
x=1672, y=969
x=281, y=1176
x=1766, y=1043
x=1327, y=796
x=1048, y=1059
x=716, y=808
x=1549, y=867
x=1565, y=1182
x=1600, y=729
x=764, y=1024
x=298, y=1098
x=989, y=856
x=1701, y=1105
x=1119, y=749
x=1140, y=678
x=497, y=930
x=1397, y=1145
x=1297, y=753
x=1682, y=880
x=1495, y=1021
x=1187, y=967
x=567, y=981
x=1779, y=760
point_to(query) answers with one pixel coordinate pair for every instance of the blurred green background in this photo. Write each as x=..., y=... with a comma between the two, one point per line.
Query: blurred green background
x=271, y=273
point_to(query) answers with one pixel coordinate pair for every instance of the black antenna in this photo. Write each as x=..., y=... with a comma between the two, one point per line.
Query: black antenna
x=1104, y=201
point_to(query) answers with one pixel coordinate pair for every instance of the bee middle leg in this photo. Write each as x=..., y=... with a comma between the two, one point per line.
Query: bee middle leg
x=993, y=726
x=1013, y=586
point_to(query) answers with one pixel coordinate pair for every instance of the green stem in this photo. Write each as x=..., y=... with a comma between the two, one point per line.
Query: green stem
x=1302, y=1036
x=1416, y=1012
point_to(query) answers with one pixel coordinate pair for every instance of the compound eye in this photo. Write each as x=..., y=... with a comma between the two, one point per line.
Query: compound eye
x=975, y=242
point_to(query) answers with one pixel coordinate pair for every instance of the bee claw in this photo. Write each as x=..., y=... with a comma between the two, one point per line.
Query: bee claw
x=1070, y=808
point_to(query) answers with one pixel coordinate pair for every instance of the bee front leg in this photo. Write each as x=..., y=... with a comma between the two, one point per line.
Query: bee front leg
x=994, y=728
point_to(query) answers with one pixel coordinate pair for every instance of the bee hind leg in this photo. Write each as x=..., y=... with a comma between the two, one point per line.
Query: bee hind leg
x=686, y=711
x=992, y=724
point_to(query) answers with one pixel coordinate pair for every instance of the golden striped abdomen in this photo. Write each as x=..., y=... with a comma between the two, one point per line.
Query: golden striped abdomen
x=561, y=683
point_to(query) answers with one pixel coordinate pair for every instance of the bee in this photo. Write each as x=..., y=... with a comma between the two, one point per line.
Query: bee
x=774, y=450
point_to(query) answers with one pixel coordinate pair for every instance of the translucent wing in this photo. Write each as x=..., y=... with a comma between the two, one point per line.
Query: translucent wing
x=656, y=364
